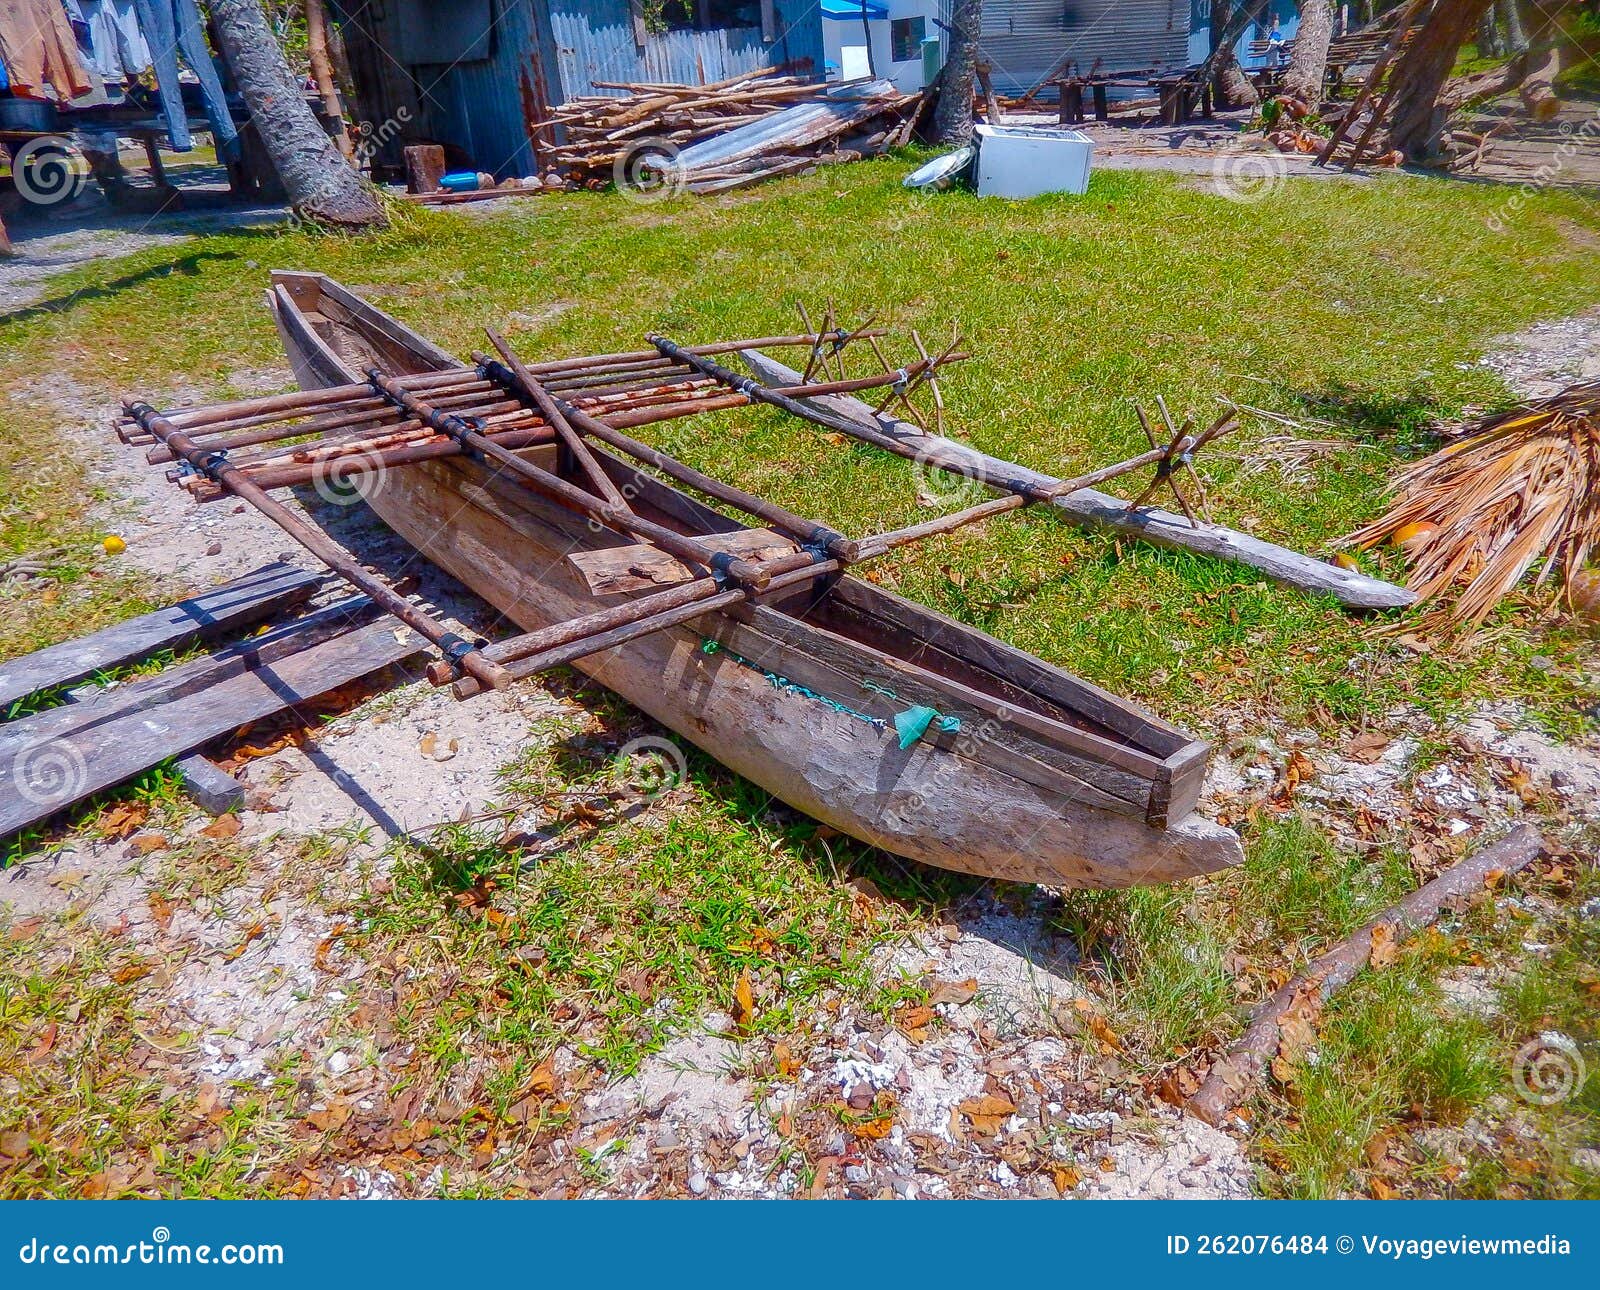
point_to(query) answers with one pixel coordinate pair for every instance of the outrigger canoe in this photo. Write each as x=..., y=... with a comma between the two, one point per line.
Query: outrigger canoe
x=1025, y=772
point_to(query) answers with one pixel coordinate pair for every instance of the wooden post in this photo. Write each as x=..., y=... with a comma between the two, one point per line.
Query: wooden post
x=1170, y=93
x=1071, y=101
x=1102, y=112
x=424, y=167
x=991, y=104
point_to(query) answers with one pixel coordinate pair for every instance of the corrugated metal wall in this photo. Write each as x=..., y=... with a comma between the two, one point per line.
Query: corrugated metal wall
x=595, y=41
x=538, y=52
x=1024, y=39
x=483, y=106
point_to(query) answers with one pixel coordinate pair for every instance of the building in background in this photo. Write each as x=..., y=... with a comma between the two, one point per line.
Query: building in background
x=477, y=75
x=907, y=45
x=1028, y=41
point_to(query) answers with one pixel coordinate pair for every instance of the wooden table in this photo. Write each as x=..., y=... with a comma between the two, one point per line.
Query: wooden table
x=1181, y=96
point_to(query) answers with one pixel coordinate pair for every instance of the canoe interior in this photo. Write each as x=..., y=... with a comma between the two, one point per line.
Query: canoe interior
x=1044, y=724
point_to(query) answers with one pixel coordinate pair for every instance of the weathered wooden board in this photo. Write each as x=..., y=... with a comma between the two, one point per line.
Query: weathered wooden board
x=1094, y=509
x=250, y=599
x=63, y=755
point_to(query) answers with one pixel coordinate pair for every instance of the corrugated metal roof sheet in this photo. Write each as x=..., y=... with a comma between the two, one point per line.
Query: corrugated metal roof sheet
x=842, y=103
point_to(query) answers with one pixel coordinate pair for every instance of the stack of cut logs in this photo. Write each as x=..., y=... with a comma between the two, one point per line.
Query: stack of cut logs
x=601, y=135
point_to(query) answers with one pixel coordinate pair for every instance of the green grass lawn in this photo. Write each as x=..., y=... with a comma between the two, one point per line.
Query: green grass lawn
x=1359, y=309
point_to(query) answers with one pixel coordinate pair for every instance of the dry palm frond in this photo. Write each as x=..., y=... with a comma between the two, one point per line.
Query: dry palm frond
x=1519, y=489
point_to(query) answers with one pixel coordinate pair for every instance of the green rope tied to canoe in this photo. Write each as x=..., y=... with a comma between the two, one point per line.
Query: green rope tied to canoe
x=791, y=687
x=909, y=725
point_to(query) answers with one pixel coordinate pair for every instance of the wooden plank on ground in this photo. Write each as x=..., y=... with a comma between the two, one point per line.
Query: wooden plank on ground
x=66, y=754
x=246, y=600
x=1093, y=509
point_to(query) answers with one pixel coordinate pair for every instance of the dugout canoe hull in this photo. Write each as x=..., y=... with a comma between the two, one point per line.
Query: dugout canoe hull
x=1048, y=780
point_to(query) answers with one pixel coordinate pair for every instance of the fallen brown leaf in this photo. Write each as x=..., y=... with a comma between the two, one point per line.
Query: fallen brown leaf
x=1385, y=949
x=325, y=947
x=744, y=1004
x=1366, y=747
x=988, y=1113
x=330, y=1118
x=46, y=1041
x=957, y=992
x=224, y=826
x=251, y=933
x=161, y=910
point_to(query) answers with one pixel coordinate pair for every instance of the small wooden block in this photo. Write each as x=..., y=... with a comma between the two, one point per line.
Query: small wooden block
x=212, y=788
x=642, y=567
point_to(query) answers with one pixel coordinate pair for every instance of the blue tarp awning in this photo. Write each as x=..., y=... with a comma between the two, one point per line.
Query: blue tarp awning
x=844, y=10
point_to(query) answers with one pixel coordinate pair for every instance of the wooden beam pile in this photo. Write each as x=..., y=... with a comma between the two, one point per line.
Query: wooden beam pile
x=614, y=137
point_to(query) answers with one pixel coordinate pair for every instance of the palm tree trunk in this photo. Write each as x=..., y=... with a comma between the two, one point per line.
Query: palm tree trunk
x=321, y=185
x=1232, y=86
x=1309, y=62
x=952, y=116
x=1516, y=32
x=1489, y=33
x=1222, y=43
x=1417, y=118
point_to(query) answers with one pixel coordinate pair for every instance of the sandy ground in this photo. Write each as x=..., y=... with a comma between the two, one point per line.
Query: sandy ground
x=49, y=241
x=1218, y=148
x=695, y=1121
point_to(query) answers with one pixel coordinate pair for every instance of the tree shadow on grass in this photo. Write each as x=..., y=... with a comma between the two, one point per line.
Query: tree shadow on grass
x=1405, y=424
x=188, y=265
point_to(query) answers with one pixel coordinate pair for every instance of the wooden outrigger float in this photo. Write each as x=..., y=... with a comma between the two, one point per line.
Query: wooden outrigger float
x=875, y=715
